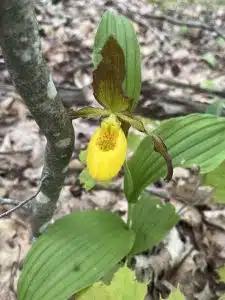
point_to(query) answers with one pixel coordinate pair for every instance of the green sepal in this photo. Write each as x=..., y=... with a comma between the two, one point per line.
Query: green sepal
x=133, y=121
x=88, y=112
x=159, y=145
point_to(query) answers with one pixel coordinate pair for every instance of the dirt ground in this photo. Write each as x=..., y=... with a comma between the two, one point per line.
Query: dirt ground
x=172, y=51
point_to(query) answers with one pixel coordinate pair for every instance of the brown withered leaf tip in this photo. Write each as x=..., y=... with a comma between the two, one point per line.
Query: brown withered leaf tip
x=109, y=76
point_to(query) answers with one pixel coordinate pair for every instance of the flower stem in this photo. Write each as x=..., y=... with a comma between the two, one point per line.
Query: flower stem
x=129, y=214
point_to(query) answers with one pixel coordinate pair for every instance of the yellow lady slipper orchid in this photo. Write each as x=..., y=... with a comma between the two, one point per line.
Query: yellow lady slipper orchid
x=106, y=150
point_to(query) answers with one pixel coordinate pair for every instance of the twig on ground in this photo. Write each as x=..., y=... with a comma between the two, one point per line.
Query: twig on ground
x=14, y=269
x=195, y=87
x=190, y=24
x=158, y=192
x=13, y=202
x=18, y=204
x=14, y=152
x=7, y=201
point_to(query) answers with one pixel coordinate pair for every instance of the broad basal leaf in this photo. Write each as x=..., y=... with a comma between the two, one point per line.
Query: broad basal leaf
x=123, y=287
x=122, y=30
x=74, y=253
x=151, y=221
x=197, y=139
x=109, y=76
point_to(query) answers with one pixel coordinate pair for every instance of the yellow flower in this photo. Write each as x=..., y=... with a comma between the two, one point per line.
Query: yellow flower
x=106, y=150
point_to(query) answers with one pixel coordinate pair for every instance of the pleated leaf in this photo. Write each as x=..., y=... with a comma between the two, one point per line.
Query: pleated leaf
x=151, y=221
x=197, y=139
x=122, y=30
x=76, y=251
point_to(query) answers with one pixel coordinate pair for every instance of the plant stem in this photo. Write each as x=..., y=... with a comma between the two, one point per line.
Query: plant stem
x=129, y=214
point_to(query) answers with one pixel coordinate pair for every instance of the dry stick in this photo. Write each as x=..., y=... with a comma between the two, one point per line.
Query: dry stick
x=21, y=48
x=15, y=152
x=190, y=24
x=7, y=201
x=195, y=87
x=14, y=269
x=19, y=204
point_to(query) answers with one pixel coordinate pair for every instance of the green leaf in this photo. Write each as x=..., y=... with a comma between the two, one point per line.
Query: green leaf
x=216, y=178
x=86, y=180
x=74, y=253
x=151, y=221
x=176, y=295
x=122, y=30
x=128, y=182
x=220, y=42
x=83, y=156
x=133, y=140
x=215, y=108
x=208, y=84
x=107, y=279
x=210, y=59
x=123, y=287
x=221, y=273
x=184, y=29
x=196, y=139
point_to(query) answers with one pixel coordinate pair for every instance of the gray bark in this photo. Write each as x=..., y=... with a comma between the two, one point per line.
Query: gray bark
x=21, y=48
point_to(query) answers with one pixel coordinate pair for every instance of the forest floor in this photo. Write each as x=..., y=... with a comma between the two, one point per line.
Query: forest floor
x=183, y=65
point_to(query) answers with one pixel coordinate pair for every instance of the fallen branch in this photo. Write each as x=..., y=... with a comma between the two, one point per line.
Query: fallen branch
x=21, y=49
x=19, y=204
x=7, y=201
x=195, y=87
x=15, y=152
x=190, y=24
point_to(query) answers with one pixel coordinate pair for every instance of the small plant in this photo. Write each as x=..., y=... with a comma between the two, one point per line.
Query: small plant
x=220, y=42
x=84, y=247
x=210, y=59
x=208, y=84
